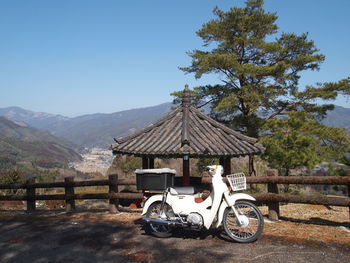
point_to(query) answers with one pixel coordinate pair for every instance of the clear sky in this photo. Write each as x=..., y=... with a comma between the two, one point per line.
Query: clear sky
x=75, y=57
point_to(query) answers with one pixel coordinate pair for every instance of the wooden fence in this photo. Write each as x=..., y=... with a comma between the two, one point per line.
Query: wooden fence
x=69, y=194
x=272, y=198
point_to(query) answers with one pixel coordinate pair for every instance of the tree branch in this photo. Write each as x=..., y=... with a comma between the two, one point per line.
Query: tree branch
x=206, y=103
x=288, y=106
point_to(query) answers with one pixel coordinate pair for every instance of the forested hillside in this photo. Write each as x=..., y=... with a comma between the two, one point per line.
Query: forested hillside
x=20, y=144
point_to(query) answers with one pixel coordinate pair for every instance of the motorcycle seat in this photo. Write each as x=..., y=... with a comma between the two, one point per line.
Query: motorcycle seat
x=183, y=190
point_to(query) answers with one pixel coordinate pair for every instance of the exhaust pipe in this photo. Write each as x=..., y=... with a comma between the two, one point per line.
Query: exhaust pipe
x=162, y=222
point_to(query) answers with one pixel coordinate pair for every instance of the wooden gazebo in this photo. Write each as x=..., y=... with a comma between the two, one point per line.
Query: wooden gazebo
x=186, y=133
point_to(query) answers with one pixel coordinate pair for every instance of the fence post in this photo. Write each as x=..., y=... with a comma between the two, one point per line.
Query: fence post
x=69, y=194
x=274, y=208
x=113, y=188
x=30, y=194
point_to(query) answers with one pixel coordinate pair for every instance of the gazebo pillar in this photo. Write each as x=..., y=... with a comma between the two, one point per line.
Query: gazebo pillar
x=226, y=163
x=147, y=163
x=151, y=162
x=186, y=171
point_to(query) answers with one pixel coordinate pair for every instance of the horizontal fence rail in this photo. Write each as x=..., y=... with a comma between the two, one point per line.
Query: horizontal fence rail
x=75, y=196
x=67, y=184
x=331, y=180
x=272, y=198
x=316, y=200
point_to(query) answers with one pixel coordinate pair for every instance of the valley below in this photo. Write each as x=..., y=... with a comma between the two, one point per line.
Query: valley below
x=95, y=160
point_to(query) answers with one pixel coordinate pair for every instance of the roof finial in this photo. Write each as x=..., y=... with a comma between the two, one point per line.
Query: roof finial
x=186, y=97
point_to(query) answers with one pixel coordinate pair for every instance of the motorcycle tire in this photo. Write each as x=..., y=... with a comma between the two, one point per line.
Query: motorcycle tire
x=161, y=231
x=253, y=226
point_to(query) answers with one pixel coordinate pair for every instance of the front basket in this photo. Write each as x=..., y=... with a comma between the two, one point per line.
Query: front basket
x=237, y=181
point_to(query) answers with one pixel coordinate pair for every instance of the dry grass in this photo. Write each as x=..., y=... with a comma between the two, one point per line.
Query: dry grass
x=314, y=224
x=334, y=214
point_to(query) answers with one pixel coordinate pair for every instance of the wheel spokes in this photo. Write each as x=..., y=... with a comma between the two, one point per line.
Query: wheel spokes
x=239, y=231
x=155, y=212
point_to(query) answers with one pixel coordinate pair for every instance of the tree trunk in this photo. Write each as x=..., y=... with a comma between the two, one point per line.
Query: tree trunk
x=252, y=171
x=286, y=186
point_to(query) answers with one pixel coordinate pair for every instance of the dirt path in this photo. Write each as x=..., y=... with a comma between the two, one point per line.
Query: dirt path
x=99, y=237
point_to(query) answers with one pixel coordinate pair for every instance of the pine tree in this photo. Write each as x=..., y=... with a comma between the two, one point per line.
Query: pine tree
x=299, y=141
x=259, y=69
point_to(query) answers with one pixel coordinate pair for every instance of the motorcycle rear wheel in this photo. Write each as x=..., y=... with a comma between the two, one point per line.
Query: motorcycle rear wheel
x=155, y=229
x=243, y=233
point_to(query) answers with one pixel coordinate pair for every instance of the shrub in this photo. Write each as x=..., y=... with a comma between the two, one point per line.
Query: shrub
x=12, y=177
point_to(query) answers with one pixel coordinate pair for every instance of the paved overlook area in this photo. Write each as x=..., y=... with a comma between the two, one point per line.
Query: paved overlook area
x=96, y=236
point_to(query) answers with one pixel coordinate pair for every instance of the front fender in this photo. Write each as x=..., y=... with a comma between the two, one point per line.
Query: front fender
x=230, y=200
x=151, y=200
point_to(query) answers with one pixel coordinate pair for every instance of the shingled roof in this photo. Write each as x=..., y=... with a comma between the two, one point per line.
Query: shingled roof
x=187, y=131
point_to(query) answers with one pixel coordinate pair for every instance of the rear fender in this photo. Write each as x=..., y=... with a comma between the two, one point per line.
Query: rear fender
x=151, y=200
x=230, y=200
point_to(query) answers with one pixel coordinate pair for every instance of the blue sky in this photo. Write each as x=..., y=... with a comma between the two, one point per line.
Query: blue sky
x=79, y=57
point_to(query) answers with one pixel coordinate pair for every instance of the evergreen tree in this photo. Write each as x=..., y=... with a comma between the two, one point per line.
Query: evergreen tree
x=297, y=140
x=259, y=70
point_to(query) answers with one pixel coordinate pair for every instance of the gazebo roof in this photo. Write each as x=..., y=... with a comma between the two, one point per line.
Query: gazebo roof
x=187, y=131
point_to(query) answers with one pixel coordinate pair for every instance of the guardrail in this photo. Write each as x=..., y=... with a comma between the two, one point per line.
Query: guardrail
x=272, y=198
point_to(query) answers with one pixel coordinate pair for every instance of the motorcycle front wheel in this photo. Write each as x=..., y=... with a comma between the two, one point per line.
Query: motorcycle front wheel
x=252, y=225
x=155, y=229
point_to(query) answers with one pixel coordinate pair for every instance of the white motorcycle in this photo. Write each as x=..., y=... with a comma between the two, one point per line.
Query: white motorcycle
x=176, y=207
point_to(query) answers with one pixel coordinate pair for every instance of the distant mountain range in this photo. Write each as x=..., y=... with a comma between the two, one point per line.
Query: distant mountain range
x=339, y=117
x=21, y=143
x=38, y=120
x=93, y=130
x=98, y=130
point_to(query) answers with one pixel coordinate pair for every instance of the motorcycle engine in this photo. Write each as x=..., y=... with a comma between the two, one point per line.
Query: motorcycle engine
x=195, y=219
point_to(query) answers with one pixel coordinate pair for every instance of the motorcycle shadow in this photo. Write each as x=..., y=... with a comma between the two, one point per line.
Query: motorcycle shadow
x=190, y=234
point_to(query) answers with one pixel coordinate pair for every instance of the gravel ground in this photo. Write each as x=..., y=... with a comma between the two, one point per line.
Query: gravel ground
x=97, y=236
